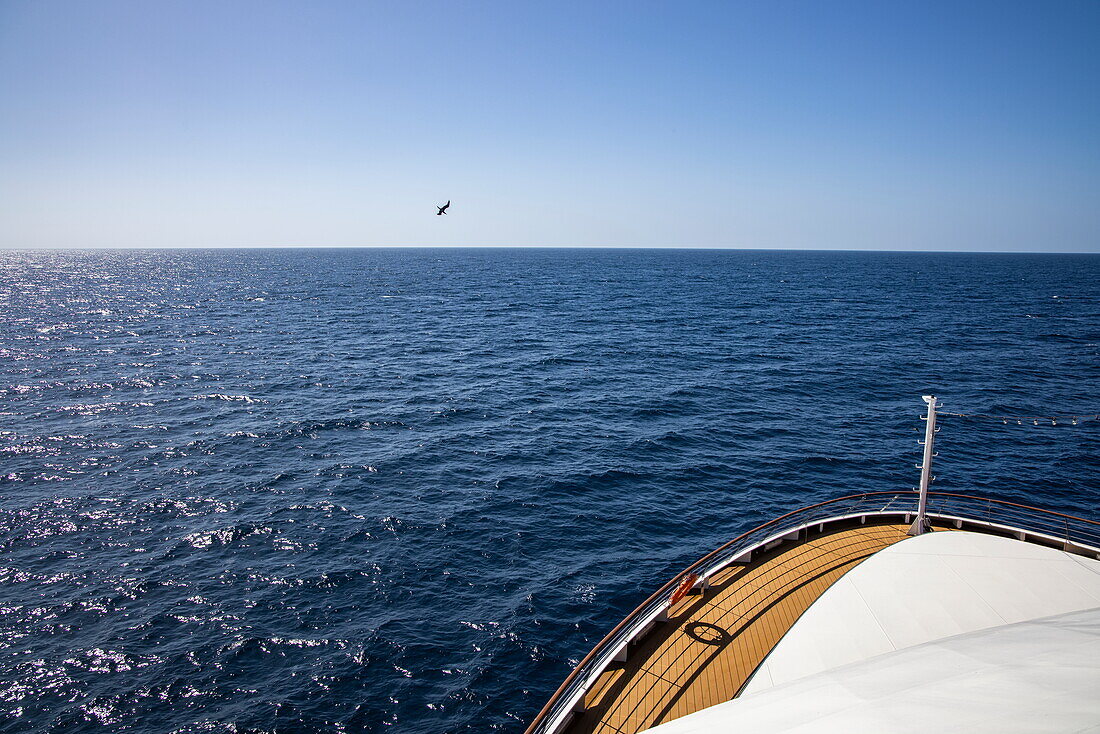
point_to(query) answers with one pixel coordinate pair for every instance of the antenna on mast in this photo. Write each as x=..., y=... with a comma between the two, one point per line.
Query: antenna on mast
x=921, y=525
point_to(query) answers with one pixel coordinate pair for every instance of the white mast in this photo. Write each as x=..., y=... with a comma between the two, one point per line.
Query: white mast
x=921, y=523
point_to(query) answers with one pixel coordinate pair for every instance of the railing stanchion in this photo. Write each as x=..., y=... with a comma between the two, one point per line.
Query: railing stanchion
x=920, y=525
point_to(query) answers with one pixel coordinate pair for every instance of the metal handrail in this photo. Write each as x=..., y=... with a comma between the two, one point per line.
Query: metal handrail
x=941, y=505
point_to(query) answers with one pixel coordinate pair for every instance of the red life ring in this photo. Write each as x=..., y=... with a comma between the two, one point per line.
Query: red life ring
x=683, y=588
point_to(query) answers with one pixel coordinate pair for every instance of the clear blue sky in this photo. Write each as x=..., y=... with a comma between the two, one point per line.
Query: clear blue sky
x=871, y=125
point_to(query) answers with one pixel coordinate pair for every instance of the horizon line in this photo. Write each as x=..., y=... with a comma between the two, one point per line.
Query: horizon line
x=61, y=248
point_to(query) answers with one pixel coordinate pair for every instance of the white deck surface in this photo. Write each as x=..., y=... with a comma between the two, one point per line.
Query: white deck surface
x=928, y=588
x=1036, y=677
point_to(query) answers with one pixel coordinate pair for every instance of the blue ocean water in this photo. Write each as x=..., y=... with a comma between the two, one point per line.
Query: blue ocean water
x=346, y=490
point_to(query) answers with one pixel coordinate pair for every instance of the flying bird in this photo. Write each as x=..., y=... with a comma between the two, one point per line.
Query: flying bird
x=443, y=209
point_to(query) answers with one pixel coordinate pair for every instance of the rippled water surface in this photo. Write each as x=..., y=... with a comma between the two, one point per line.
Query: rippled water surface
x=308, y=490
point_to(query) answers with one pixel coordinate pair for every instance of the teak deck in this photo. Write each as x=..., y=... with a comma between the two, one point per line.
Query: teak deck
x=713, y=642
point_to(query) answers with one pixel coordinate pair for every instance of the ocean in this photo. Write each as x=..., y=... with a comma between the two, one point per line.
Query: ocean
x=408, y=489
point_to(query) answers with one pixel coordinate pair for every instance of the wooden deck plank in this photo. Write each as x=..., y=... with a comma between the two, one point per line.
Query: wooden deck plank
x=714, y=641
